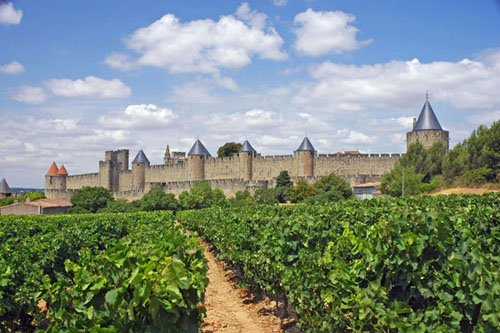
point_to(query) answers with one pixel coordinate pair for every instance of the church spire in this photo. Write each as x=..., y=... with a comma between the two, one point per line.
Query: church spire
x=427, y=120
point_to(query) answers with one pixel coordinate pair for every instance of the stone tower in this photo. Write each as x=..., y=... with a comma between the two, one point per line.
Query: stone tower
x=167, y=158
x=51, y=177
x=109, y=169
x=246, y=155
x=61, y=178
x=196, y=161
x=305, y=156
x=427, y=129
x=139, y=165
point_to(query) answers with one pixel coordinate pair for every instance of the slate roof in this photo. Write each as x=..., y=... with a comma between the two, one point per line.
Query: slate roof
x=53, y=170
x=427, y=119
x=4, y=187
x=62, y=171
x=198, y=149
x=140, y=158
x=306, y=145
x=247, y=147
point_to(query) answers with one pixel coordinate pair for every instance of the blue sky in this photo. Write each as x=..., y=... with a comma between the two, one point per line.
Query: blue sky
x=81, y=77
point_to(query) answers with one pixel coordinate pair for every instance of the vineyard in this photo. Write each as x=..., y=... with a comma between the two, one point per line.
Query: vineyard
x=100, y=273
x=415, y=264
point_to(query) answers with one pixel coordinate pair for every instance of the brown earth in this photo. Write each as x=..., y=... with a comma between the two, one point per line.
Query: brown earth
x=467, y=190
x=232, y=310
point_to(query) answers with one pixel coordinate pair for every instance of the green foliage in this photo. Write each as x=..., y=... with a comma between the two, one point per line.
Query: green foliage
x=100, y=273
x=283, y=186
x=32, y=195
x=325, y=198
x=241, y=199
x=477, y=159
x=201, y=195
x=420, y=167
x=157, y=199
x=301, y=191
x=265, y=196
x=228, y=149
x=334, y=183
x=117, y=206
x=414, y=264
x=90, y=199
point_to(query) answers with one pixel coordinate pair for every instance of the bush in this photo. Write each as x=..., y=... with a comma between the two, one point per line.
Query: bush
x=157, y=199
x=90, y=199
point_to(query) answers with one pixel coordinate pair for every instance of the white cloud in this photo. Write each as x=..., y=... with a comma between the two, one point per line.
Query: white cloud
x=203, y=46
x=30, y=95
x=325, y=32
x=10, y=15
x=139, y=116
x=280, y=2
x=402, y=84
x=354, y=137
x=12, y=68
x=484, y=118
x=91, y=86
x=255, y=119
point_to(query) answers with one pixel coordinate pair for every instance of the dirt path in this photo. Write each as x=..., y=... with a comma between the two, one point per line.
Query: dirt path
x=226, y=311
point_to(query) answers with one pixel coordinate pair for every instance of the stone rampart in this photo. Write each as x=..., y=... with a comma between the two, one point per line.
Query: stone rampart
x=78, y=181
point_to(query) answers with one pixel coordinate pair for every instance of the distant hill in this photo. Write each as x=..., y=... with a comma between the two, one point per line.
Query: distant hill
x=26, y=190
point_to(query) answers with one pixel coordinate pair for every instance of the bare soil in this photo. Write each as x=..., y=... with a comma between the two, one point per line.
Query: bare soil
x=236, y=310
x=467, y=190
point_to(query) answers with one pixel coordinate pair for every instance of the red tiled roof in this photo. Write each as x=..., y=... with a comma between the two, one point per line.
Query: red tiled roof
x=53, y=170
x=45, y=203
x=62, y=170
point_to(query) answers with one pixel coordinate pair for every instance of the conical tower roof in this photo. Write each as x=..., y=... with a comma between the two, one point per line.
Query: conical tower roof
x=198, y=149
x=247, y=147
x=427, y=119
x=306, y=145
x=62, y=171
x=4, y=187
x=140, y=158
x=53, y=170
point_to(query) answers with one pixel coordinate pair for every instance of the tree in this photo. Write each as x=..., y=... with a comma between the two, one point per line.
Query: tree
x=241, y=199
x=90, y=199
x=228, y=149
x=283, y=186
x=301, y=191
x=334, y=183
x=201, y=195
x=119, y=206
x=266, y=196
x=157, y=199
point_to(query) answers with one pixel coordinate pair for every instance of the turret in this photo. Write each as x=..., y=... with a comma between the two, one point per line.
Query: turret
x=167, y=158
x=61, y=178
x=246, y=155
x=139, y=165
x=50, y=178
x=305, y=156
x=196, y=161
x=427, y=129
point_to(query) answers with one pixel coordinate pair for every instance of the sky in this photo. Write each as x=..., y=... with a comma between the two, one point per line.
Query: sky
x=78, y=77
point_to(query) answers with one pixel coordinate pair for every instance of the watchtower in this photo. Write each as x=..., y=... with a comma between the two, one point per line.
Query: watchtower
x=139, y=165
x=196, y=161
x=246, y=155
x=305, y=156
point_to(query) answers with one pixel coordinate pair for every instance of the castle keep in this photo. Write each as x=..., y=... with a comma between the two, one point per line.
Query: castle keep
x=247, y=170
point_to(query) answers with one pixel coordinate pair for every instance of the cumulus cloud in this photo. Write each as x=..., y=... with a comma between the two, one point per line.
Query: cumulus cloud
x=354, y=137
x=280, y=2
x=91, y=86
x=12, y=68
x=326, y=32
x=139, y=116
x=10, y=15
x=203, y=46
x=30, y=95
x=484, y=118
x=401, y=84
x=245, y=121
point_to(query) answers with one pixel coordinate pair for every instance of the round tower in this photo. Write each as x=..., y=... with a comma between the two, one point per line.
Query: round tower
x=61, y=178
x=305, y=156
x=50, y=179
x=5, y=190
x=196, y=161
x=246, y=155
x=427, y=129
x=139, y=165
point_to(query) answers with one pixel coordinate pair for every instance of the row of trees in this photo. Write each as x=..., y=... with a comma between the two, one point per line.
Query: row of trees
x=474, y=161
x=31, y=195
x=201, y=195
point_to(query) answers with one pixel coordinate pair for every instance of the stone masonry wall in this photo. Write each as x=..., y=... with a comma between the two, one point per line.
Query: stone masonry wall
x=78, y=181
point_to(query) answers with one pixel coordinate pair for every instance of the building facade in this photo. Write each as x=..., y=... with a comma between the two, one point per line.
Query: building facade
x=247, y=170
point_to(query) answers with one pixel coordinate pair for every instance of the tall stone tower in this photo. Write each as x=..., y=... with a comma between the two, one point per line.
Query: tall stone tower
x=139, y=165
x=61, y=178
x=427, y=129
x=167, y=158
x=196, y=161
x=51, y=178
x=305, y=156
x=4, y=189
x=246, y=154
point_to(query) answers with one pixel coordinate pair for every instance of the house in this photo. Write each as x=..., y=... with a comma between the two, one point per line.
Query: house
x=367, y=190
x=38, y=207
